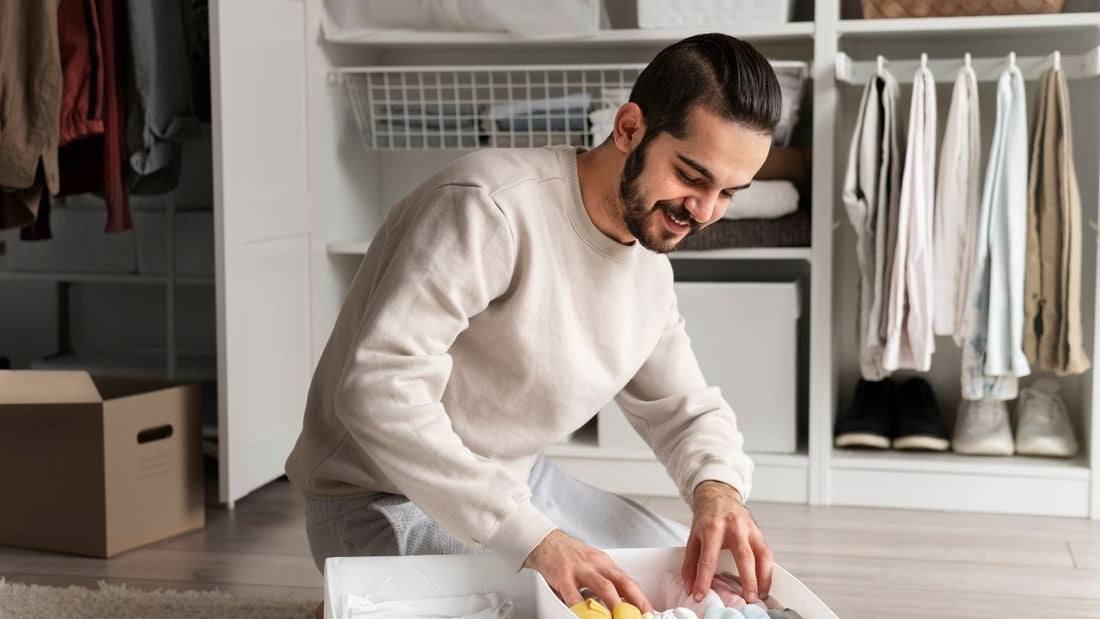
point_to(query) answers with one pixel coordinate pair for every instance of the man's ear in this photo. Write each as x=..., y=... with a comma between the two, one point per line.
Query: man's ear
x=629, y=128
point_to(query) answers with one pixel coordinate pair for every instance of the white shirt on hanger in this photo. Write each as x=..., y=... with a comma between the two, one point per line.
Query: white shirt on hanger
x=957, y=201
x=909, y=338
x=993, y=356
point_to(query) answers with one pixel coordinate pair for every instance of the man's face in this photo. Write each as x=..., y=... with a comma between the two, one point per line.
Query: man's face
x=674, y=187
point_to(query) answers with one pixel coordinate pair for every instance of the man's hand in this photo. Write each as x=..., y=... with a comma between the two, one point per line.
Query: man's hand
x=721, y=520
x=568, y=565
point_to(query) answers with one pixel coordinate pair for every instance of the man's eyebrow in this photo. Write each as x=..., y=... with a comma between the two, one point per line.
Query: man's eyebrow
x=700, y=168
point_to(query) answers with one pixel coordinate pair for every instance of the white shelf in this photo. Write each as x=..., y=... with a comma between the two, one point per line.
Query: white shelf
x=1023, y=466
x=103, y=278
x=134, y=365
x=349, y=246
x=954, y=482
x=989, y=25
x=746, y=253
x=776, y=477
x=585, y=447
x=359, y=247
x=616, y=36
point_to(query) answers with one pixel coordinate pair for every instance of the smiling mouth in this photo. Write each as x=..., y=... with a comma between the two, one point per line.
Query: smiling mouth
x=674, y=224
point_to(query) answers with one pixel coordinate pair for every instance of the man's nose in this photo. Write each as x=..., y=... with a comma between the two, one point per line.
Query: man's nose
x=701, y=206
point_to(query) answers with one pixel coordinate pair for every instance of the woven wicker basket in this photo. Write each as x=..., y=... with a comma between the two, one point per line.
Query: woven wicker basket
x=950, y=8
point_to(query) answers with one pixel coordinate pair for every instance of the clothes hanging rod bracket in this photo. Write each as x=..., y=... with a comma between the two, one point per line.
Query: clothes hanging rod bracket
x=1079, y=66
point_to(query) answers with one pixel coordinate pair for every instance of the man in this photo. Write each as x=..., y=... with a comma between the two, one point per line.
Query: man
x=503, y=302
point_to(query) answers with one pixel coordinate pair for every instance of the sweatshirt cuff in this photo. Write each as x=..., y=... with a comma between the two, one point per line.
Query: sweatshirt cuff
x=517, y=535
x=718, y=470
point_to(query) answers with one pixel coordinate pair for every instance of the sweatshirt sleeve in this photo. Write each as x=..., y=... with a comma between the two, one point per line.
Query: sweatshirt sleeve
x=690, y=426
x=454, y=253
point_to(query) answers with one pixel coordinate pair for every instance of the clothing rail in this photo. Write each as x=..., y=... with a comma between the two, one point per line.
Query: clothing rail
x=1080, y=66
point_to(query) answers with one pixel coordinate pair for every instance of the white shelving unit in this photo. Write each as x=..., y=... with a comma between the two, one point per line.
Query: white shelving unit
x=951, y=481
x=297, y=208
x=452, y=74
x=1055, y=24
x=605, y=38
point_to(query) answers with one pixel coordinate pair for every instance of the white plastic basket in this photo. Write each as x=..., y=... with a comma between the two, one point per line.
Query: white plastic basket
x=466, y=107
x=657, y=14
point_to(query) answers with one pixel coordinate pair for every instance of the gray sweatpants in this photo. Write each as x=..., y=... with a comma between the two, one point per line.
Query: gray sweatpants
x=381, y=524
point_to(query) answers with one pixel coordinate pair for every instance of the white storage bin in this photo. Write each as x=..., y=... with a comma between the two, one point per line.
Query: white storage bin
x=349, y=21
x=745, y=338
x=79, y=244
x=194, y=233
x=384, y=579
x=708, y=13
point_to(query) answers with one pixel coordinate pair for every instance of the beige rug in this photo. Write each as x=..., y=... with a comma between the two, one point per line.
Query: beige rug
x=119, y=601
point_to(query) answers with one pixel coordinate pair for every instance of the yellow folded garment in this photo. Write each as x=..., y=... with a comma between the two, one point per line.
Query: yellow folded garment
x=624, y=610
x=591, y=609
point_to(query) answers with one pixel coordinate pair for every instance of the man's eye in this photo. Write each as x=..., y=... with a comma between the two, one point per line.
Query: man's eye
x=686, y=178
x=728, y=195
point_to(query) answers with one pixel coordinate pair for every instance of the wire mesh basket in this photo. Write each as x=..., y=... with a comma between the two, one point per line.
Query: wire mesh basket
x=465, y=107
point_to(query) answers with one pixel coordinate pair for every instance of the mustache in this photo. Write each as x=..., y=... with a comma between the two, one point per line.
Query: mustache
x=677, y=211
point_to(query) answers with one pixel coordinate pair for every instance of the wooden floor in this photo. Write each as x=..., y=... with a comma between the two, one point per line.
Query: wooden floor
x=862, y=562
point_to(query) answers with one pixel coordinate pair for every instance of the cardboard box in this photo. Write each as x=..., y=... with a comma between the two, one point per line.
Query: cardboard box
x=97, y=466
x=403, y=578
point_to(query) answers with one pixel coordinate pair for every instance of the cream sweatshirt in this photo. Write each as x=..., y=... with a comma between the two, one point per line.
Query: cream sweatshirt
x=489, y=319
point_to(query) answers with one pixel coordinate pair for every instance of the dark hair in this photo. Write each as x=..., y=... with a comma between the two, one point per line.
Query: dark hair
x=717, y=72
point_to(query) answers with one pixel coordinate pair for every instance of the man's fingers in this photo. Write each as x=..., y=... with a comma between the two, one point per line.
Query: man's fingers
x=764, y=563
x=707, y=564
x=745, y=560
x=603, y=588
x=691, y=558
x=632, y=592
x=569, y=594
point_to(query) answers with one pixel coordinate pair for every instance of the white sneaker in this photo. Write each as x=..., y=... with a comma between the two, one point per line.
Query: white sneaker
x=982, y=428
x=1043, y=427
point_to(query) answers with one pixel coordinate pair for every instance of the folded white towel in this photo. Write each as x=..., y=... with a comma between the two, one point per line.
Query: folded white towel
x=764, y=200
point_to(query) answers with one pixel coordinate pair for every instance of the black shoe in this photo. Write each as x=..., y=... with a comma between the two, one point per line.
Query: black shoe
x=868, y=422
x=917, y=425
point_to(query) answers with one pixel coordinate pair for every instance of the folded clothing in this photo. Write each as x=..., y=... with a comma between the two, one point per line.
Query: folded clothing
x=676, y=594
x=569, y=113
x=536, y=140
x=764, y=200
x=789, y=231
x=398, y=139
x=602, y=123
x=414, y=116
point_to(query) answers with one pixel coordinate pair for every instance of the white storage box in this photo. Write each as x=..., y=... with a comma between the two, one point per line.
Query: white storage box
x=403, y=578
x=709, y=13
x=745, y=338
x=350, y=21
x=194, y=233
x=79, y=244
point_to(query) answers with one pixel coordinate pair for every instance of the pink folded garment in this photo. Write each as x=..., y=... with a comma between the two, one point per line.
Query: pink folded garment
x=675, y=594
x=733, y=583
x=731, y=597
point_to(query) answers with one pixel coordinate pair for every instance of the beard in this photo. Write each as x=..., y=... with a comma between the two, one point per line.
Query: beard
x=636, y=212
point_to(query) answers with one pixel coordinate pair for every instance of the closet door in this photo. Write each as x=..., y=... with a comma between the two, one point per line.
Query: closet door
x=265, y=192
